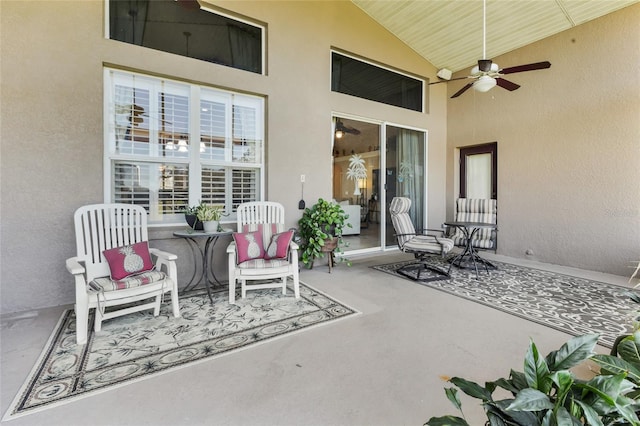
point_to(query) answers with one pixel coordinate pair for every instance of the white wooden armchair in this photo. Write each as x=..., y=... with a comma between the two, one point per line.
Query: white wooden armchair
x=100, y=228
x=262, y=251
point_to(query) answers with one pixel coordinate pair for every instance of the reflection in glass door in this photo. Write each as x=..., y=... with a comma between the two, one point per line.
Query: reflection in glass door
x=405, y=175
x=356, y=163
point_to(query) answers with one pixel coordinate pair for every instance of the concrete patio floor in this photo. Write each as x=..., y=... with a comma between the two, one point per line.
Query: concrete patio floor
x=382, y=367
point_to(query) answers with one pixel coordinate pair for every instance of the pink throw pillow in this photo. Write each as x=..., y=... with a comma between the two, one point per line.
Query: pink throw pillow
x=248, y=246
x=279, y=246
x=128, y=260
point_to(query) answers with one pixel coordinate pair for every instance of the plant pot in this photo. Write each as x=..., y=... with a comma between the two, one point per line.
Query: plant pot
x=330, y=245
x=211, y=225
x=192, y=220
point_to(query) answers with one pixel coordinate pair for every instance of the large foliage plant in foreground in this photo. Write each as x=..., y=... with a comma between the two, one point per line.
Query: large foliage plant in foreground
x=547, y=393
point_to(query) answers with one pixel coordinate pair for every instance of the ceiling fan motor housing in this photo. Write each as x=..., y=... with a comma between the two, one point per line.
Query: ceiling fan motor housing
x=484, y=65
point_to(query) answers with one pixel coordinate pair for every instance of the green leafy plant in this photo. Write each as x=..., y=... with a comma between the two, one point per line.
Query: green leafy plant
x=208, y=212
x=547, y=393
x=636, y=298
x=191, y=210
x=318, y=226
x=191, y=217
x=635, y=315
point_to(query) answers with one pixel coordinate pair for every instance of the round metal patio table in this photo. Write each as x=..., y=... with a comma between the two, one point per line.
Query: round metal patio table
x=469, y=229
x=206, y=257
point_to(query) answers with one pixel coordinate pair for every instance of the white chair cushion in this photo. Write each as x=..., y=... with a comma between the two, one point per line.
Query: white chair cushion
x=263, y=263
x=107, y=284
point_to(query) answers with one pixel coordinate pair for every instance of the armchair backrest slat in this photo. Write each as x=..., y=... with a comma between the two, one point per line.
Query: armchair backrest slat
x=100, y=227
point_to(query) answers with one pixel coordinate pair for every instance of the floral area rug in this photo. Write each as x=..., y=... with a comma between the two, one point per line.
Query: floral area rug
x=139, y=345
x=573, y=305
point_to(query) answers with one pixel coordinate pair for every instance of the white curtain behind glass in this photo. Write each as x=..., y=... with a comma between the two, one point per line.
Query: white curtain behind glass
x=410, y=173
x=479, y=176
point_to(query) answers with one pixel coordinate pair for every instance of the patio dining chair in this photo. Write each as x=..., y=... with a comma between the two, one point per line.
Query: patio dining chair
x=422, y=244
x=114, y=266
x=475, y=210
x=262, y=253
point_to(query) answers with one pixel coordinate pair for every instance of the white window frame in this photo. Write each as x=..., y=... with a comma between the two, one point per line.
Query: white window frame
x=194, y=161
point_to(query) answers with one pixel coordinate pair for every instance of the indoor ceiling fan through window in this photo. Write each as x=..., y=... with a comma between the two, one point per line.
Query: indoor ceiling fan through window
x=488, y=74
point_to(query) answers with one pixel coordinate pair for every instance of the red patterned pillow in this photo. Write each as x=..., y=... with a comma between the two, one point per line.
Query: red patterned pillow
x=248, y=246
x=279, y=246
x=128, y=260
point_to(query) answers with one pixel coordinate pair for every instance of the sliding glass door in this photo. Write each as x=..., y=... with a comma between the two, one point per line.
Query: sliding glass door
x=372, y=163
x=356, y=161
x=405, y=174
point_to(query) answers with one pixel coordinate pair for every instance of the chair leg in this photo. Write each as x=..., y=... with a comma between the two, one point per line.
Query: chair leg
x=156, y=308
x=420, y=266
x=82, y=324
x=97, y=325
x=243, y=288
x=232, y=290
x=174, y=301
x=296, y=284
x=284, y=285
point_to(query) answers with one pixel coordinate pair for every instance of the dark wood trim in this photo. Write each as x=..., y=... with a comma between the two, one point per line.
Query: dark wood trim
x=487, y=148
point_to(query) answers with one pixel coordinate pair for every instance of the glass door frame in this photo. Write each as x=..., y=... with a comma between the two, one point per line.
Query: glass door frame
x=384, y=247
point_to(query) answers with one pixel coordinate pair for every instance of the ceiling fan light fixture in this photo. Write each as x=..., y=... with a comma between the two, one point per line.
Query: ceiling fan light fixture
x=339, y=134
x=484, y=84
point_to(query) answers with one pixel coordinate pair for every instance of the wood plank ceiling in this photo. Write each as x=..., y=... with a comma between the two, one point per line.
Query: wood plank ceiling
x=449, y=34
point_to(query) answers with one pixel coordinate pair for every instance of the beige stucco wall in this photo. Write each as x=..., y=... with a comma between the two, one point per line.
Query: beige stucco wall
x=568, y=146
x=53, y=53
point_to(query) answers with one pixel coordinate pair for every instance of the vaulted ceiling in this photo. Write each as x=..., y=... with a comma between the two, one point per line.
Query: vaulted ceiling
x=449, y=33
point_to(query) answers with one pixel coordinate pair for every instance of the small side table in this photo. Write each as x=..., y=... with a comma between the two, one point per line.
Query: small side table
x=205, y=255
x=469, y=229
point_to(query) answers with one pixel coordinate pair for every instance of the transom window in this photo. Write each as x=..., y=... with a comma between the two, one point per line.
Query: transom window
x=171, y=144
x=185, y=28
x=362, y=79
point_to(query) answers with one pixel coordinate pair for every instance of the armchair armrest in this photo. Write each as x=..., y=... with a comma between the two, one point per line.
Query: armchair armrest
x=231, y=248
x=168, y=260
x=440, y=232
x=74, y=266
x=163, y=255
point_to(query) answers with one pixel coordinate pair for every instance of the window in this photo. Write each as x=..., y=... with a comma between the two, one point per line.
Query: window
x=183, y=28
x=479, y=171
x=162, y=155
x=364, y=80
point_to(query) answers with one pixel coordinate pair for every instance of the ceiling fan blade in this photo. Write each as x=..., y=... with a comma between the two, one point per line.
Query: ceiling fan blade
x=506, y=84
x=464, y=89
x=446, y=81
x=527, y=67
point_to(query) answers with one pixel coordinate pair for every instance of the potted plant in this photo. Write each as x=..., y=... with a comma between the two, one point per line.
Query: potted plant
x=210, y=216
x=635, y=317
x=547, y=392
x=191, y=216
x=320, y=229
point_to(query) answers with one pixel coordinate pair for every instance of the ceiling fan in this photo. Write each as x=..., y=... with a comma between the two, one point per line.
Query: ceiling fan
x=341, y=129
x=488, y=74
